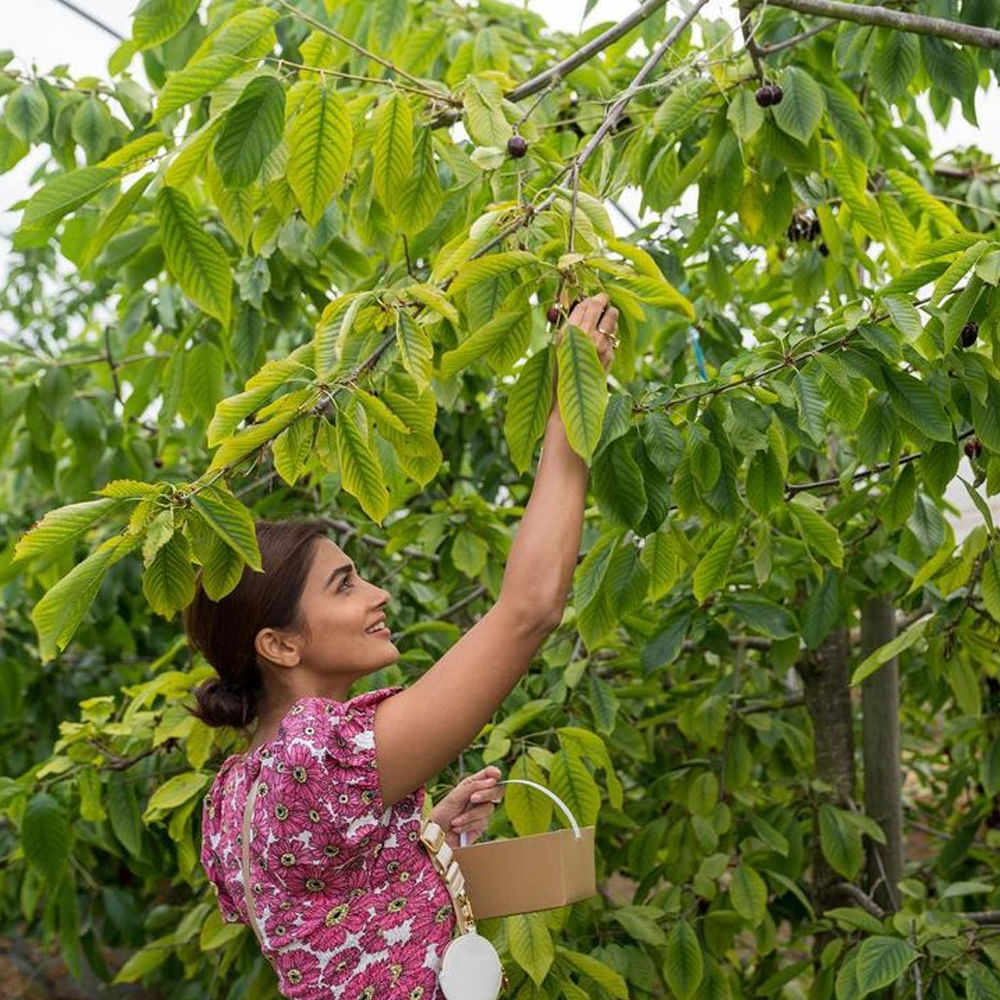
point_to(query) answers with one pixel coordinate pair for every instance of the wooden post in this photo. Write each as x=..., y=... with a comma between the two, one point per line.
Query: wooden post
x=881, y=754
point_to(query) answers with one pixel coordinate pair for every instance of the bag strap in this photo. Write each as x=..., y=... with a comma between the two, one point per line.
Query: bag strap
x=462, y=837
x=432, y=837
x=247, y=830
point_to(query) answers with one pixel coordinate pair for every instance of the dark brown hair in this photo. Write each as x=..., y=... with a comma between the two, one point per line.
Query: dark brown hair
x=224, y=631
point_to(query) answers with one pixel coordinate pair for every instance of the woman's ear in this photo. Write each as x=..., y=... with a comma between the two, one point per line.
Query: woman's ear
x=277, y=647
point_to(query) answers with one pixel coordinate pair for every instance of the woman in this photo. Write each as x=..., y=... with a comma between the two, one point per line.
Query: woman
x=344, y=900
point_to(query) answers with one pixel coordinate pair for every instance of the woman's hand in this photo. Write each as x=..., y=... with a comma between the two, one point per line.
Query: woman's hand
x=599, y=321
x=468, y=806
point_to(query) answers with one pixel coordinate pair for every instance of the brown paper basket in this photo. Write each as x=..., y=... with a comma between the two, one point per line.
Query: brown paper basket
x=525, y=874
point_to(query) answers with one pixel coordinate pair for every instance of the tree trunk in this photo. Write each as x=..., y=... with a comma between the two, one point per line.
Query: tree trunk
x=826, y=678
x=882, y=770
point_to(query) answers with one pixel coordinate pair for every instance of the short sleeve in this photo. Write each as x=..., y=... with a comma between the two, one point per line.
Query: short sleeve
x=323, y=779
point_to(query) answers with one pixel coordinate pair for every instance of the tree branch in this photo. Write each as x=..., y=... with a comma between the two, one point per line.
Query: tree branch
x=860, y=898
x=766, y=49
x=578, y=58
x=882, y=17
x=792, y=488
x=90, y=17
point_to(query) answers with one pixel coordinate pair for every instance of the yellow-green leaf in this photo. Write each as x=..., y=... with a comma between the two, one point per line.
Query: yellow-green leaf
x=320, y=140
x=393, y=150
x=360, y=469
x=195, y=258
x=583, y=394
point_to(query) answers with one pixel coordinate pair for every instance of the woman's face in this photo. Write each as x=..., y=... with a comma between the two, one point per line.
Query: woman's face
x=346, y=630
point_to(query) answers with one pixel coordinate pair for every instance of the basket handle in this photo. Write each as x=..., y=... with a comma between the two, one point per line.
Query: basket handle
x=545, y=791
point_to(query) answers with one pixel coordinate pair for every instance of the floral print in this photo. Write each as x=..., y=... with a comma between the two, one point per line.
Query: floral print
x=348, y=904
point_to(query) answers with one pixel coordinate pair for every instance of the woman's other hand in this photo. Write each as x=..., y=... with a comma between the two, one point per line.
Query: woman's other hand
x=468, y=806
x=599, y=321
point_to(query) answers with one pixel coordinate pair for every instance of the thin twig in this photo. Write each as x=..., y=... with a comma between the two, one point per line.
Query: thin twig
x=87, y=16
x=350, y=43
x=766, y=49
x=792, y=488
x=111, y=363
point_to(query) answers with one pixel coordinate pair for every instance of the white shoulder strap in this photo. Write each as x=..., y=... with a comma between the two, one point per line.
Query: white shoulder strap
x=247, y=830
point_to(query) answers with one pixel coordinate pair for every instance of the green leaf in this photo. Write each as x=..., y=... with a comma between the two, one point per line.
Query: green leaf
x=194, y=257
x=491, y=266
x=596, y=970
x=713, y=567
x=221, y=567
x=764, y=616
x=259, y=388
x=63, y=525
x=896, y=63
x=59, y=612
x=250, y=131
x=582, y=390
x=320, y=140
x=65, y=193
x=574, y=784
x=904, y=315
x=618, y=483
x=360, y=469
x=168, y=582
x=484, y=118
x=683, y=966
x=468, y=553
x=230, y=520
x=745, y=114
x=194, y=81
x=530, y=944
x=800, y=110
x=891, y=649
x=848, y=121
x=820, y=537
x=481, y=342
x=915, y=401
x=415, y=348
x=882, y=961
x=393, y=150
x=114, y=219
x=175, y=792
x=748, y=892
x=989, y=585
x=419, y=199
x=155, y=21
x=840, y=842
x=92, y=127
x=46, y=836
x=822, y=610
x=27, y=112
x=529, y=812
x=765, y=483
x=528, y=408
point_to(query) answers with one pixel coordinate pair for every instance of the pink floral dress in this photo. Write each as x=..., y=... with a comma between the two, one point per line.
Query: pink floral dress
x=348, y=903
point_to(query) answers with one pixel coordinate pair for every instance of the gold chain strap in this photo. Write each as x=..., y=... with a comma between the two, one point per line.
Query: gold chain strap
x=432, y=837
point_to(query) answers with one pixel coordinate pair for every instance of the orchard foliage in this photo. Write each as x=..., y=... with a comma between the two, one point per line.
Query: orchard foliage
x=304, y=269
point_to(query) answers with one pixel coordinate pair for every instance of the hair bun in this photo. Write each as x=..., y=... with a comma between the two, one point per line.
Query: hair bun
x=222, y=703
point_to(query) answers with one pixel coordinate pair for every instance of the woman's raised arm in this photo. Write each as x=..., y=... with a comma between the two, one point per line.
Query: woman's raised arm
x=426, y=726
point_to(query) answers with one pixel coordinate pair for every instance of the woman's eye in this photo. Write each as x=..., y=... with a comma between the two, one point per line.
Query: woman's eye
x=347, y=582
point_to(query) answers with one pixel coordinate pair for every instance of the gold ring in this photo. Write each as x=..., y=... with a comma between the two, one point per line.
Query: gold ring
x=611, y=337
